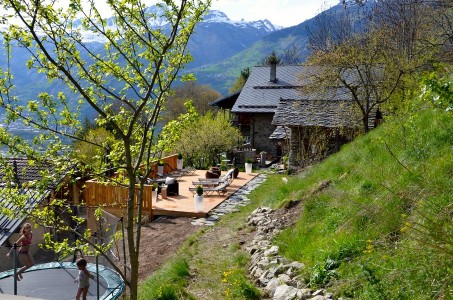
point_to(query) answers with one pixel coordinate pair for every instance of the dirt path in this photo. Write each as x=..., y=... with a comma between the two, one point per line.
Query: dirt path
x=160, y=240
x=163, y=237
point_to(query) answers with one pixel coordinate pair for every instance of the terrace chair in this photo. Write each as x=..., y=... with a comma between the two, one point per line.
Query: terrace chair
x=228, y=177
x=221, y=189
x=173, y=172
x=187, y=171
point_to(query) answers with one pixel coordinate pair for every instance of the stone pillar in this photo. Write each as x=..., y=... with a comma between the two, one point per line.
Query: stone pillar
x=294, y=147
x=263, y=159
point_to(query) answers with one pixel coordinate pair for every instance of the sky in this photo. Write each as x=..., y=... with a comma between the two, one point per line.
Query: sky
x=280, y=12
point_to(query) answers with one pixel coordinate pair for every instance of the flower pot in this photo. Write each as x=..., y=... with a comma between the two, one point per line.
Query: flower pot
x=248, y=168
x=154, y=195
x=179, y=164
x=198, y=200
x=235, y=172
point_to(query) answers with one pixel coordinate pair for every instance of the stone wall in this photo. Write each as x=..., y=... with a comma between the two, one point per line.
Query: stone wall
x=260, y=133
x=278, y=278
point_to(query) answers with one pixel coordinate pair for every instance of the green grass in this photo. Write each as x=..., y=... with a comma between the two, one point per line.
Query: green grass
x=167, y=283
x=383, y=225
x=375, y=223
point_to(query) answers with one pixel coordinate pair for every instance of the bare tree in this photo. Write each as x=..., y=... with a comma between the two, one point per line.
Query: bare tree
x=331, y=28
x=382, y=44
x=357, y=67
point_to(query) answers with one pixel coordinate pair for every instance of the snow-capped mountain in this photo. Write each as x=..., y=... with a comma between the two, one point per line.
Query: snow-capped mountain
x=215, y=38
x=216, y=16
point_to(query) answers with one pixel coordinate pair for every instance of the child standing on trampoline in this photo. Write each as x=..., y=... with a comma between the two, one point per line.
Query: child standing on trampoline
x=24, y=255
x=83, y=279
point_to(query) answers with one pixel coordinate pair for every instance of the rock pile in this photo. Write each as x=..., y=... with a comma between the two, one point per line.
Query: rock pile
x=277, y=276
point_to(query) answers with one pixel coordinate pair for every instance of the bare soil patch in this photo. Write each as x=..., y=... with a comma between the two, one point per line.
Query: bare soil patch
x=160, y=240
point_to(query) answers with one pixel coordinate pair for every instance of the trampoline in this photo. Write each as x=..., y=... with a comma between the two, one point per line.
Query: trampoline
x=55, y=281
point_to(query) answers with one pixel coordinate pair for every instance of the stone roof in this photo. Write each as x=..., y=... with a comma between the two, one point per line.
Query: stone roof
x=281, y=133
x=261, y=95
x=323, y=113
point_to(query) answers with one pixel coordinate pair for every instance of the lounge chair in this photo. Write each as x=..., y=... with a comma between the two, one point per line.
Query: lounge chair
x=208, y=190
x=173, y=172
x=187, y=171
x=228, y=177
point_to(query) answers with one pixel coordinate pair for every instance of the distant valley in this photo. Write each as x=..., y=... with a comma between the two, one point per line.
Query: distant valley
x=221, y=48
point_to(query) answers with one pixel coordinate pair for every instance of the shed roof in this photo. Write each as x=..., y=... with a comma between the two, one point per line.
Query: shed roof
x=24, y=170
x=281, y=133
x=323, y=113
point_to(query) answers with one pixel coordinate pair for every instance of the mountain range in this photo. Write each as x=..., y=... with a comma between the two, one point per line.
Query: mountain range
x=221, y=48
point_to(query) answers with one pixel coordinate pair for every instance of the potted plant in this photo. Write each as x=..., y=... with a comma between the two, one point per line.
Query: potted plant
x=154, y=188
x=179, y=162
x=248, y=166
x=198, y=199
x=160, y=167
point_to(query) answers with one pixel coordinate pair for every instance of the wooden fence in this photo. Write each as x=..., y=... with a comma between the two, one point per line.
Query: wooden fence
x=114, y=198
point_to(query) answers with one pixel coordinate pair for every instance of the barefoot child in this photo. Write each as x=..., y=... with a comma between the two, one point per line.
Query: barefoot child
x=24, y=255
x=83, y=279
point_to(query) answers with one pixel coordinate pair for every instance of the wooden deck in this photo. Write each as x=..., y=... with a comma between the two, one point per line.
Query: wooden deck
x=183, y=204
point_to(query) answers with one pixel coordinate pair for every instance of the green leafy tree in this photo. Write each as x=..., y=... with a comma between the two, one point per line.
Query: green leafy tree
x=203, y=140
x=200, y=95
x=438, y=90
x=88, y=150
x=240, y=81
x=171, y=133
x=125, y=83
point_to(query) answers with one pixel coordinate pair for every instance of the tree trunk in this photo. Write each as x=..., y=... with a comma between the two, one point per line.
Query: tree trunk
x=133, y=253
x=366, y=126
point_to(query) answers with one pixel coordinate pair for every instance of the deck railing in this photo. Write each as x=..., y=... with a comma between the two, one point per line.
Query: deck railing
x=114, y=197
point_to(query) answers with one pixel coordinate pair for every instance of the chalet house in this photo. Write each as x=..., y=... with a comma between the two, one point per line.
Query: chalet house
x=255, y=107
x=272, y=113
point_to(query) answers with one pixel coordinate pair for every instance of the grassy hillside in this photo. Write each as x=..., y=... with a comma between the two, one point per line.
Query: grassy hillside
x=380, y=226
x=376, y=223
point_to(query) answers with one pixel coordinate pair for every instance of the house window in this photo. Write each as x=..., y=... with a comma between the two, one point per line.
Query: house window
x=244, y=119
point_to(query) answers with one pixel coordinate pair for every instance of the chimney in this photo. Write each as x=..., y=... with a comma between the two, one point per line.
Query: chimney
x=273, y=72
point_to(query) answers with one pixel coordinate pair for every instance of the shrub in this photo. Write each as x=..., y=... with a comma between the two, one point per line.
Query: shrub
x=199, y=190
